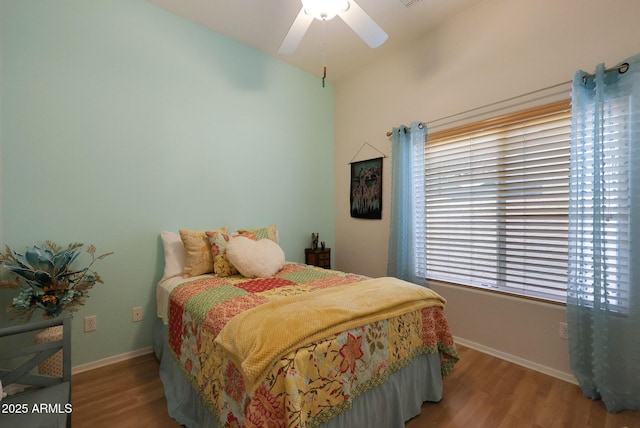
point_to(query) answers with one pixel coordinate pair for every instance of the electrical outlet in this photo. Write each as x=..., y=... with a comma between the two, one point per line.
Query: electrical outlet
x=137, y=314
x=563, y=331
x=90, y=323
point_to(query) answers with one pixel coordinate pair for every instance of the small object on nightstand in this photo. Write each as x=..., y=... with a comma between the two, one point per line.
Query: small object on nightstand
x=314, y=240
x=318, y=257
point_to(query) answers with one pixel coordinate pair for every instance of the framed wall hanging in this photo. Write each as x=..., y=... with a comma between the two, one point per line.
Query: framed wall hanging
x=366, y=189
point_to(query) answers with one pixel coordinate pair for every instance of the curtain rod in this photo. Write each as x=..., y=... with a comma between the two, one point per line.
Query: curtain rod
x=463, y=113
x=420, y=125
x=622, y=68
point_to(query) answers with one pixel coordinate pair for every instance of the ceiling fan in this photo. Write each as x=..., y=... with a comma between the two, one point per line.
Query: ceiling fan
x=324, y=10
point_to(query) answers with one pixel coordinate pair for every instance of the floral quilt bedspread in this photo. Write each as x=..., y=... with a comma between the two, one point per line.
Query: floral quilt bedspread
x=310, y=385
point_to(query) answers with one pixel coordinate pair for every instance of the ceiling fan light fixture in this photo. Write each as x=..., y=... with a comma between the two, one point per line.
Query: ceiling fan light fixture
x=324, y=10
x=349, y=12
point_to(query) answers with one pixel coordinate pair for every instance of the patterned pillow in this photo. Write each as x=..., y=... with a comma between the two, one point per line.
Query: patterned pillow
x=199, y=259
x=218, y=241
x=269, y=232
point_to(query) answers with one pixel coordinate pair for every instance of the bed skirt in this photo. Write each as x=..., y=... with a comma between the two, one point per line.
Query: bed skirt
x=388, y=405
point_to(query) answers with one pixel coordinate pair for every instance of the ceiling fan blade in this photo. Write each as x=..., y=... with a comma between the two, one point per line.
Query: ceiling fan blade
x=296, y=33
x=363, y=25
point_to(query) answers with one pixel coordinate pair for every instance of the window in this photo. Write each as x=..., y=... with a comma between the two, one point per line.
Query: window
x=497, y=198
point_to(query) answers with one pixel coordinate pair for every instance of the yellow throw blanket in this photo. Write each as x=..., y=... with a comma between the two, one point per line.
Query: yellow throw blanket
x=254, y=339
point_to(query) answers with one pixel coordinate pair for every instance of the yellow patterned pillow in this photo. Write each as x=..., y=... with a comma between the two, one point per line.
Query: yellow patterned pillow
x=199, y=259
x=269, y=232
x=218, y=241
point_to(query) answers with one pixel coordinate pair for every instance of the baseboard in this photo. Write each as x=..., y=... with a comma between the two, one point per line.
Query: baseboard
x=111, y=360
x=567, y=377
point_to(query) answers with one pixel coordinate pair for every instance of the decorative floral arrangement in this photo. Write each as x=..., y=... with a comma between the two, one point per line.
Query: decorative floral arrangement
x=46, y=279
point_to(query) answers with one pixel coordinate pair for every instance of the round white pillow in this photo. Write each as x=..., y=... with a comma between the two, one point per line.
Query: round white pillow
x=255, y=259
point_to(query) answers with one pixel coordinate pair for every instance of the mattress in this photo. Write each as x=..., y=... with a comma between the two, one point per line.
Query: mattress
x=164, y=289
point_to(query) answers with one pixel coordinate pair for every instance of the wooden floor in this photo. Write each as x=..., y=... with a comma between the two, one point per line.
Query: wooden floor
x=128, y=394
x=482, y=391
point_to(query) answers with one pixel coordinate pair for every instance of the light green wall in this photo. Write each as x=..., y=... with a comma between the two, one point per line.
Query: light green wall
x=120, y=120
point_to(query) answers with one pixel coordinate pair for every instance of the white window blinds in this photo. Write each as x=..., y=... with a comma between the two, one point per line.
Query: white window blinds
x=497, y=203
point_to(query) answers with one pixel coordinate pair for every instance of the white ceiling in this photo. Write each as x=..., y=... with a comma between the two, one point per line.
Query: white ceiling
x=263, y=24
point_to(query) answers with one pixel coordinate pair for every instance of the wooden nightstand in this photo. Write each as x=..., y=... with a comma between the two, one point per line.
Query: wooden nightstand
x=319, y=257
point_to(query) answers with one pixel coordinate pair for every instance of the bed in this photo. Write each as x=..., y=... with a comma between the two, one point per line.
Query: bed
x=291, y=345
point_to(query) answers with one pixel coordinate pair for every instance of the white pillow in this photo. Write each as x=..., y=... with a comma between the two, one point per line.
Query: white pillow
x=175, y=255
x=255, y=259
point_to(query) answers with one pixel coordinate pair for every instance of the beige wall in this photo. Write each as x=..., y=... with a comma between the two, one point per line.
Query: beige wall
x=493, y=51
